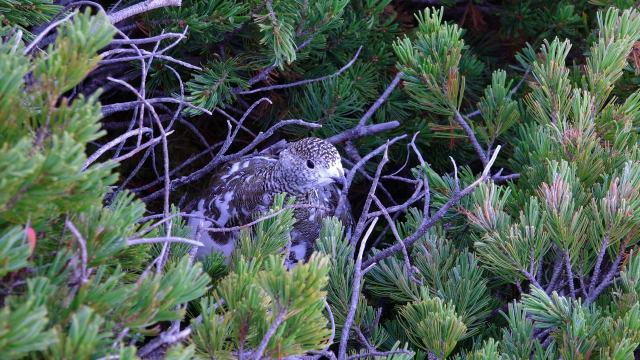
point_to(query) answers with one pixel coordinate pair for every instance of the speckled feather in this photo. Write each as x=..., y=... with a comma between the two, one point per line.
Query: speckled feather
x=241, y=189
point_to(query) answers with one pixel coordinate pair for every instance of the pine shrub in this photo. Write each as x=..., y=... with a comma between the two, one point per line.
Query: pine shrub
x=538, y=261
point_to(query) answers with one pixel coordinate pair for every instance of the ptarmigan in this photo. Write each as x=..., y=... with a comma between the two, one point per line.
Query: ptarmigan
x=309, y=169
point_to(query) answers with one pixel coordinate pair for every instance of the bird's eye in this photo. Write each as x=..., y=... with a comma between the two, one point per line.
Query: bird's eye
x=310, y=164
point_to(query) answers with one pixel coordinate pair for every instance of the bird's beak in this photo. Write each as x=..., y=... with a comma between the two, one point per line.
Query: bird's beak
x=332, y=175
x=339, y=179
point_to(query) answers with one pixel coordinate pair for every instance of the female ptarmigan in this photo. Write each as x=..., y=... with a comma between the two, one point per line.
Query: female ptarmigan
x=308, y=169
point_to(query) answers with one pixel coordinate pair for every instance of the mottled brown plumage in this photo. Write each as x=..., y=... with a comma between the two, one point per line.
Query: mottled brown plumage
x=308, y=169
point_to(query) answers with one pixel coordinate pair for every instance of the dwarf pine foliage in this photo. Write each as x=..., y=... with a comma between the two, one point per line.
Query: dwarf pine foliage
x=537, y=260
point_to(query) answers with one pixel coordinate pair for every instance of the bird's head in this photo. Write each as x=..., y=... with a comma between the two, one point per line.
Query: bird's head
x=311, y=163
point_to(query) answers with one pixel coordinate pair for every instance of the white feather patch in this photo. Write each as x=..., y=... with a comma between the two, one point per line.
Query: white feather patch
x=198, y=222
x=222, y=204
x=300, y=251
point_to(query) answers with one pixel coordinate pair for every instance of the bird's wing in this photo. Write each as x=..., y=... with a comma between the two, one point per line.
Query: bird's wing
x=235, y=192
x=230, y=199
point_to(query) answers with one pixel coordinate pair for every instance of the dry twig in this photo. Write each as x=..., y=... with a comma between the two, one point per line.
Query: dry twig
x=303, y=82
x=355, y=294
x=141, y=8
x=428, y=222
x=84, y=276
x=104, y=148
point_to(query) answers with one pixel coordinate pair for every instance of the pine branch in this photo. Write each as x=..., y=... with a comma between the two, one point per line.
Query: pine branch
x=557, y=270
x=570, y=279
x=608, y=278
x=596, y=268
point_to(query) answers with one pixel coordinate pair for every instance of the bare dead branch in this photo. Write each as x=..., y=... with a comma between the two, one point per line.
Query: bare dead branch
x=303, y=82
x=282, y=312
x=177, y=169
x=407, y=262
x=165, y=154
x=360, y=131
x=367, y=204
x=182, y=103
x=383, y=188
x=352, y=173
x=355, y=294
x=125, y=106
x=265, y=73
x=233, y=120
x=332, y=321
x=137, y=149
x=147, y=270
x=425, y=179
x=381, y=99
x=429, y=222
x=164, y=338
x=318, y=354
x=456, y=180
x=46, y=31
x=499, y=178
x=104, y=148
x=109, y=357
x=472, y=138
x=363, y=339
x=140, y=8
x=522, y=79
x=84, y=277
x=149, y=56
x=135, y=171
x=165, y=239
x=148, y=39
x=198, y=134
x=230, y=139
x=473, y=113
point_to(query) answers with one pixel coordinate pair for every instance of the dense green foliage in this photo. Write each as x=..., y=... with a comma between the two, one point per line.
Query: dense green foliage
x=544, y=265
